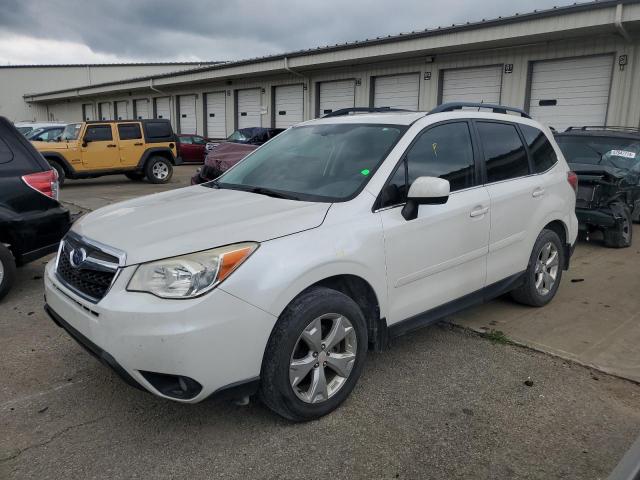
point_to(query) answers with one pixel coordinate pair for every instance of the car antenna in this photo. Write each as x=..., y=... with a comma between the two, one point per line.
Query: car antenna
x=481, y=102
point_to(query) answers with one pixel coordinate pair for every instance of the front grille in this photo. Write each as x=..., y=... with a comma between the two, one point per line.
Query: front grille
x=91, y=278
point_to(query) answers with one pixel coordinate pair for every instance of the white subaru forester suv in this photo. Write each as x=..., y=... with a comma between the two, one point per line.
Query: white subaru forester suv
x=324, y=243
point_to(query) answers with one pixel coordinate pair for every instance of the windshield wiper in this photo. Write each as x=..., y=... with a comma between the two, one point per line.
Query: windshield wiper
x=271, y=193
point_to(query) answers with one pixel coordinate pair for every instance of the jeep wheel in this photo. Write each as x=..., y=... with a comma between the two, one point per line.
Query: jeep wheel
x=544, y=271
x=315, y=355
x=135, y=176
x=158, y=170
x=620, y=235
x=7, y=270
x=60, y=169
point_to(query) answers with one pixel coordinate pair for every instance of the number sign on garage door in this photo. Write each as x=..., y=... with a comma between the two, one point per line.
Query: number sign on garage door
x=163, y=108
x=88, y=112
x=289, y=101
x=249, y=104
x=336, y=95
x=104, y=109
x=216, y=114
x=142, y=108
x=571, y=92
x=122, y=110
x=397, y=91
x=479, y=84
x=188, y=122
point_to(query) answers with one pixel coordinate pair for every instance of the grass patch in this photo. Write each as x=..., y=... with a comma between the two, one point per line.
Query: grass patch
x=496, y=336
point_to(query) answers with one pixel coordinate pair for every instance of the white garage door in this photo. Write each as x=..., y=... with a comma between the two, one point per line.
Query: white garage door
x=122, y=110
x=289, y=105
x=88, y=112
x=104, y=108
x=188, y=122
x=397, y=91
x=216, y=115
x=572, y=92
x=480, y=84
x=337, y=95
x=142, y=108
x=163, y=108
x=249, y=106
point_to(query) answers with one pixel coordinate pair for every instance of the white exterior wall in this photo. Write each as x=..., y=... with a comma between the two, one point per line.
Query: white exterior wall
x=18, y=81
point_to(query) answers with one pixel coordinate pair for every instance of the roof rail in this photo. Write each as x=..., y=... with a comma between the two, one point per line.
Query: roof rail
x=347, y=111
x=450, y=107
x=603, y=127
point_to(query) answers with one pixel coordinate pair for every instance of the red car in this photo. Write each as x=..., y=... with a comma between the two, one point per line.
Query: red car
x=191, y=148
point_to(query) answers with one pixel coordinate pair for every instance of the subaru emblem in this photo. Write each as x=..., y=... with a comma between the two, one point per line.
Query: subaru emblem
x=77, y=257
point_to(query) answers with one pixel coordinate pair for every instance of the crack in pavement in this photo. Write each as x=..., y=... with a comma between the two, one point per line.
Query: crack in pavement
x=53, y=437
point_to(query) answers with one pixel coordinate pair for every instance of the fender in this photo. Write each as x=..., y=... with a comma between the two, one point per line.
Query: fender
x=151, y=151
x=60, y=159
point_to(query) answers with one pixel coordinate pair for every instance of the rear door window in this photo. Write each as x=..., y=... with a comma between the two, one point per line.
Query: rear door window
x=542, y=153
x=129, y=131
x=504, y=154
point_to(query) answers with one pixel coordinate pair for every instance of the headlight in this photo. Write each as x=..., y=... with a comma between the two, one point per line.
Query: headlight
x=191, y=275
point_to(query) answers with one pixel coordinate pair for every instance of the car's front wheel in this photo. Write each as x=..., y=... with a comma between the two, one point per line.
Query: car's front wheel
x=7, y=270
x=544, y=271
x=158, y=170
x=315, y=355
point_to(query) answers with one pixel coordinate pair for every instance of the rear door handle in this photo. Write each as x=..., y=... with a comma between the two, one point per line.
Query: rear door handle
x=138, y=144
x=538, y=192
x=111, y=145
x=479, y=211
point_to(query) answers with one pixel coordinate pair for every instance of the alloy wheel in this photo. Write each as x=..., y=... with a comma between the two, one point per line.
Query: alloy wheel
x=546, y=269
x=160, y=170
x=323, y=358
x=1, y=272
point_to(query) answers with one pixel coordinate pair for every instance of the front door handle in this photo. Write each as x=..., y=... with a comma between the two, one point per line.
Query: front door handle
x=111, y=145
x=479, y=211
x=538, y=192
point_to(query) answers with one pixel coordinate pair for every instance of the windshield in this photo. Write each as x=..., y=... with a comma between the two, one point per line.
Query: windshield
x=24, y=130
x=623, y=153
x=237, y=136
x=316, y=162
x=71, y=132
x=34, y=133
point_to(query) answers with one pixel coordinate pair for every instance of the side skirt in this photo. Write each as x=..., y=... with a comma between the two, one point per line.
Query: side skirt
x=476, y=298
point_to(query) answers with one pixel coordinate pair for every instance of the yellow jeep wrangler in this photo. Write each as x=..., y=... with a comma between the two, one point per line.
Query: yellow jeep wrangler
x=137, y=148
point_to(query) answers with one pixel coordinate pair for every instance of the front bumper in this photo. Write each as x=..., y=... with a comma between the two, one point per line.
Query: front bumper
x=217, y=340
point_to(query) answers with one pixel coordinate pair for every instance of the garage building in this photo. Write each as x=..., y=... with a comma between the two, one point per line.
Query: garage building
x=566, y=66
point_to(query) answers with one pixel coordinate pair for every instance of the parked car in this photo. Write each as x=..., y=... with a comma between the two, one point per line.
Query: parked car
x=191, y=148
x=222, y=156
x=607, y=161
x=137, y=148
x=249, y=136
x=45, y=134
x=221, y=159
x=320, y=245
x=32, y=222
x=27, y=127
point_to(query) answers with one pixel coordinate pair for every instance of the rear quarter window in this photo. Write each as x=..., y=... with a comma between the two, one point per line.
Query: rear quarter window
x=158, y=132
x=542, y=153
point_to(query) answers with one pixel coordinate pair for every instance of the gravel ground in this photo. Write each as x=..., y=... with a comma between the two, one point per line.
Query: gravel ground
x=441, y=403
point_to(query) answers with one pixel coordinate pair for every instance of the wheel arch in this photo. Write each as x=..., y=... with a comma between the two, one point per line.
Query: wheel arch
x=56, y=157
x=149, y=153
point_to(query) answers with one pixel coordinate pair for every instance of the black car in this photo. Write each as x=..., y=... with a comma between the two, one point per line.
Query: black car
x=45, y=134
x=32, y=222
x=607, y=162
x=249, y=136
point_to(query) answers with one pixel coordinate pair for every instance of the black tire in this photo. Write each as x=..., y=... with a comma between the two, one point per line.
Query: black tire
x=528, y=293
x=620, y=236
x=276, y=390
x=62, y=175
x=135, y=176
x=155, y=166
x=8, y=266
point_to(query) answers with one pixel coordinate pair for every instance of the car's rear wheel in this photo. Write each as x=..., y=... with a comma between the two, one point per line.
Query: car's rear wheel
x=7, y=270
x=135, y=176
x=544, y=272
x=60, y=169
x=315, y=355
x=620, y=235
x=158, y=170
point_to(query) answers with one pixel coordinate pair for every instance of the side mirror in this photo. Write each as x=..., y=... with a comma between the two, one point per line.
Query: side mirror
x=425, y=191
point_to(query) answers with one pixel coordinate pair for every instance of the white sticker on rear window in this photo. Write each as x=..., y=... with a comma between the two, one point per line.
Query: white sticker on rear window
x=623, y=153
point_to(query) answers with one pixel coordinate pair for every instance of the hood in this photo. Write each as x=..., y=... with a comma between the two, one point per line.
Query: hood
x=42, y=146
x=195, y=218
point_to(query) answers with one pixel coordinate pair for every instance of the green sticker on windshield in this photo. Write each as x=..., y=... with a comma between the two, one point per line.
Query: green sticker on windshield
x=365, y=172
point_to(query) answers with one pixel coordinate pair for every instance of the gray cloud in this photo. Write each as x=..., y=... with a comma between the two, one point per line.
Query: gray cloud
x=164, y=30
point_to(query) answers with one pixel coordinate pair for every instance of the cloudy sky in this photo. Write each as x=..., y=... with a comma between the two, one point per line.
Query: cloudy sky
x=74, y=31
